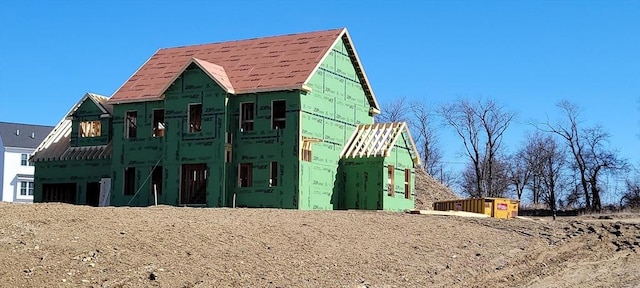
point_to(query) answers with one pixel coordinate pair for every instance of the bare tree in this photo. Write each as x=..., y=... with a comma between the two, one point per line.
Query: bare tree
x=549, y=171
x=501, y=181
x=631, y=197
x=532, y=156
x=426, y=138
x=480, y=125
x=395, y=111
x=591, y=158
x=518, y=171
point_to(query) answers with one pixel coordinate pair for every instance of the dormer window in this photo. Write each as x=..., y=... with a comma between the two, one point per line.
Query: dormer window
x=90, y=129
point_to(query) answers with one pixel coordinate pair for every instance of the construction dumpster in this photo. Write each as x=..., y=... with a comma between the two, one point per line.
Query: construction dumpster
x=494, y=207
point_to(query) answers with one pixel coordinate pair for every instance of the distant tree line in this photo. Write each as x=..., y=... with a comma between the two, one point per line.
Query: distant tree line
x=559, y=165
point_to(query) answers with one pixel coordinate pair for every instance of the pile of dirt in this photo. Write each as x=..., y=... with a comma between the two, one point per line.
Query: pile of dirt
x=429, y=190
x=59, y=245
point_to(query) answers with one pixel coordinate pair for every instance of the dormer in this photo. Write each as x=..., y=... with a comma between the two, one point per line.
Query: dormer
x=91, y=121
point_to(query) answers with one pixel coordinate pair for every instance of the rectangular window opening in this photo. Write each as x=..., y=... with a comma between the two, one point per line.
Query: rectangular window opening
x=90, y=129
x=245, y=175
x=278, y=114
x=195, y=117
x=407, y=183
x=24, y=159
x=23, y=188
x=273, y=174
x=131, y=124
x=156, y=180
x=390, y=180
x=158, y=123
x=306, y=151
x=129, y=180
x=246, y=116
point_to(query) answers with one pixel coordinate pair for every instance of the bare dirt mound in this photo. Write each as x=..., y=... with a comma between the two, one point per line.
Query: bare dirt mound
x=429, y=190
x=59, y=245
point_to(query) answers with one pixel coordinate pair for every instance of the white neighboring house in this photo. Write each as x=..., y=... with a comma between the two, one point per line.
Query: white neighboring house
x=17, y=142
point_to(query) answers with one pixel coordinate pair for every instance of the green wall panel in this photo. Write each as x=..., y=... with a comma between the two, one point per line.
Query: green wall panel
x=80, y=172
x=330, y=112
x=262, y=146
x=88, y=111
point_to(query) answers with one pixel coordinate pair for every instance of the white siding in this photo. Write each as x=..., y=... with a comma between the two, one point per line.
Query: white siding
x=11, y=168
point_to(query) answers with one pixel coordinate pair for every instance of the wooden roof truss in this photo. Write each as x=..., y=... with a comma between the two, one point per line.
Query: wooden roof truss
x=377, y=140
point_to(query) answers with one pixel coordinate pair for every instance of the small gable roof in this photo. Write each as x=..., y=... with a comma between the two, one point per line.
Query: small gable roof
x=57, y=144
x=274, y=63
x=99, y=100
x=378, y=139
x=215, y=72
x=20, y=135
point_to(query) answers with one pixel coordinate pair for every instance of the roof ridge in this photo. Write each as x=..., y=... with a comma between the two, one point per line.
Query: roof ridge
x=248, y=39
x=25, y=124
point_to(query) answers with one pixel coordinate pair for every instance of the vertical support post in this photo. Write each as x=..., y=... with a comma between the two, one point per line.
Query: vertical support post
x=155, y=194
x=234, y=200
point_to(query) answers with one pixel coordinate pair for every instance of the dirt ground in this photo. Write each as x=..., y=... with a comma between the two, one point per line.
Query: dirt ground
x=59, y=245
x=429, y=190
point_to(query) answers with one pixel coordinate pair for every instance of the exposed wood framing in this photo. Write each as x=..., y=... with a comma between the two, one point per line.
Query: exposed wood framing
x=377, y=140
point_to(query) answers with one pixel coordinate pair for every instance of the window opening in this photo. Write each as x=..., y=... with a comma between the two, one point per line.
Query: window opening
x=195, y=117
x=390, y=180
x=246, y=116
x=307, y=143
x=90, y=129
x=407, y=183
x=158, y=123
x=245, y=175
x=131, y=125
x=26, y=188
x=278, y=114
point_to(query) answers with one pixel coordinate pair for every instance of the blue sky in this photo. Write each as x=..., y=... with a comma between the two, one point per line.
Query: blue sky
x=526, y=55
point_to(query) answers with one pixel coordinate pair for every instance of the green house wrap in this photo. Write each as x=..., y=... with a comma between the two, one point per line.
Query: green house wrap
x=265, y=122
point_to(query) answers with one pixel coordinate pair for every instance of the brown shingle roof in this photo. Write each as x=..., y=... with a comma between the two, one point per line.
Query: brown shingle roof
x=254, y=65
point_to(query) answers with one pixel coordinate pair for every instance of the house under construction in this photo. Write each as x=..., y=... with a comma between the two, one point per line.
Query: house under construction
x=284, y=121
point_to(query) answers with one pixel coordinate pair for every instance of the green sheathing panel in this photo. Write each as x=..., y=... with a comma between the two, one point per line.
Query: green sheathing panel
x=88, y=111
x=361, y=182
x=141, y=153
x=260, y=147
x=206, y=146
x=178, y=146
x=330, y=112
x=400, y=158
x=80, y=172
